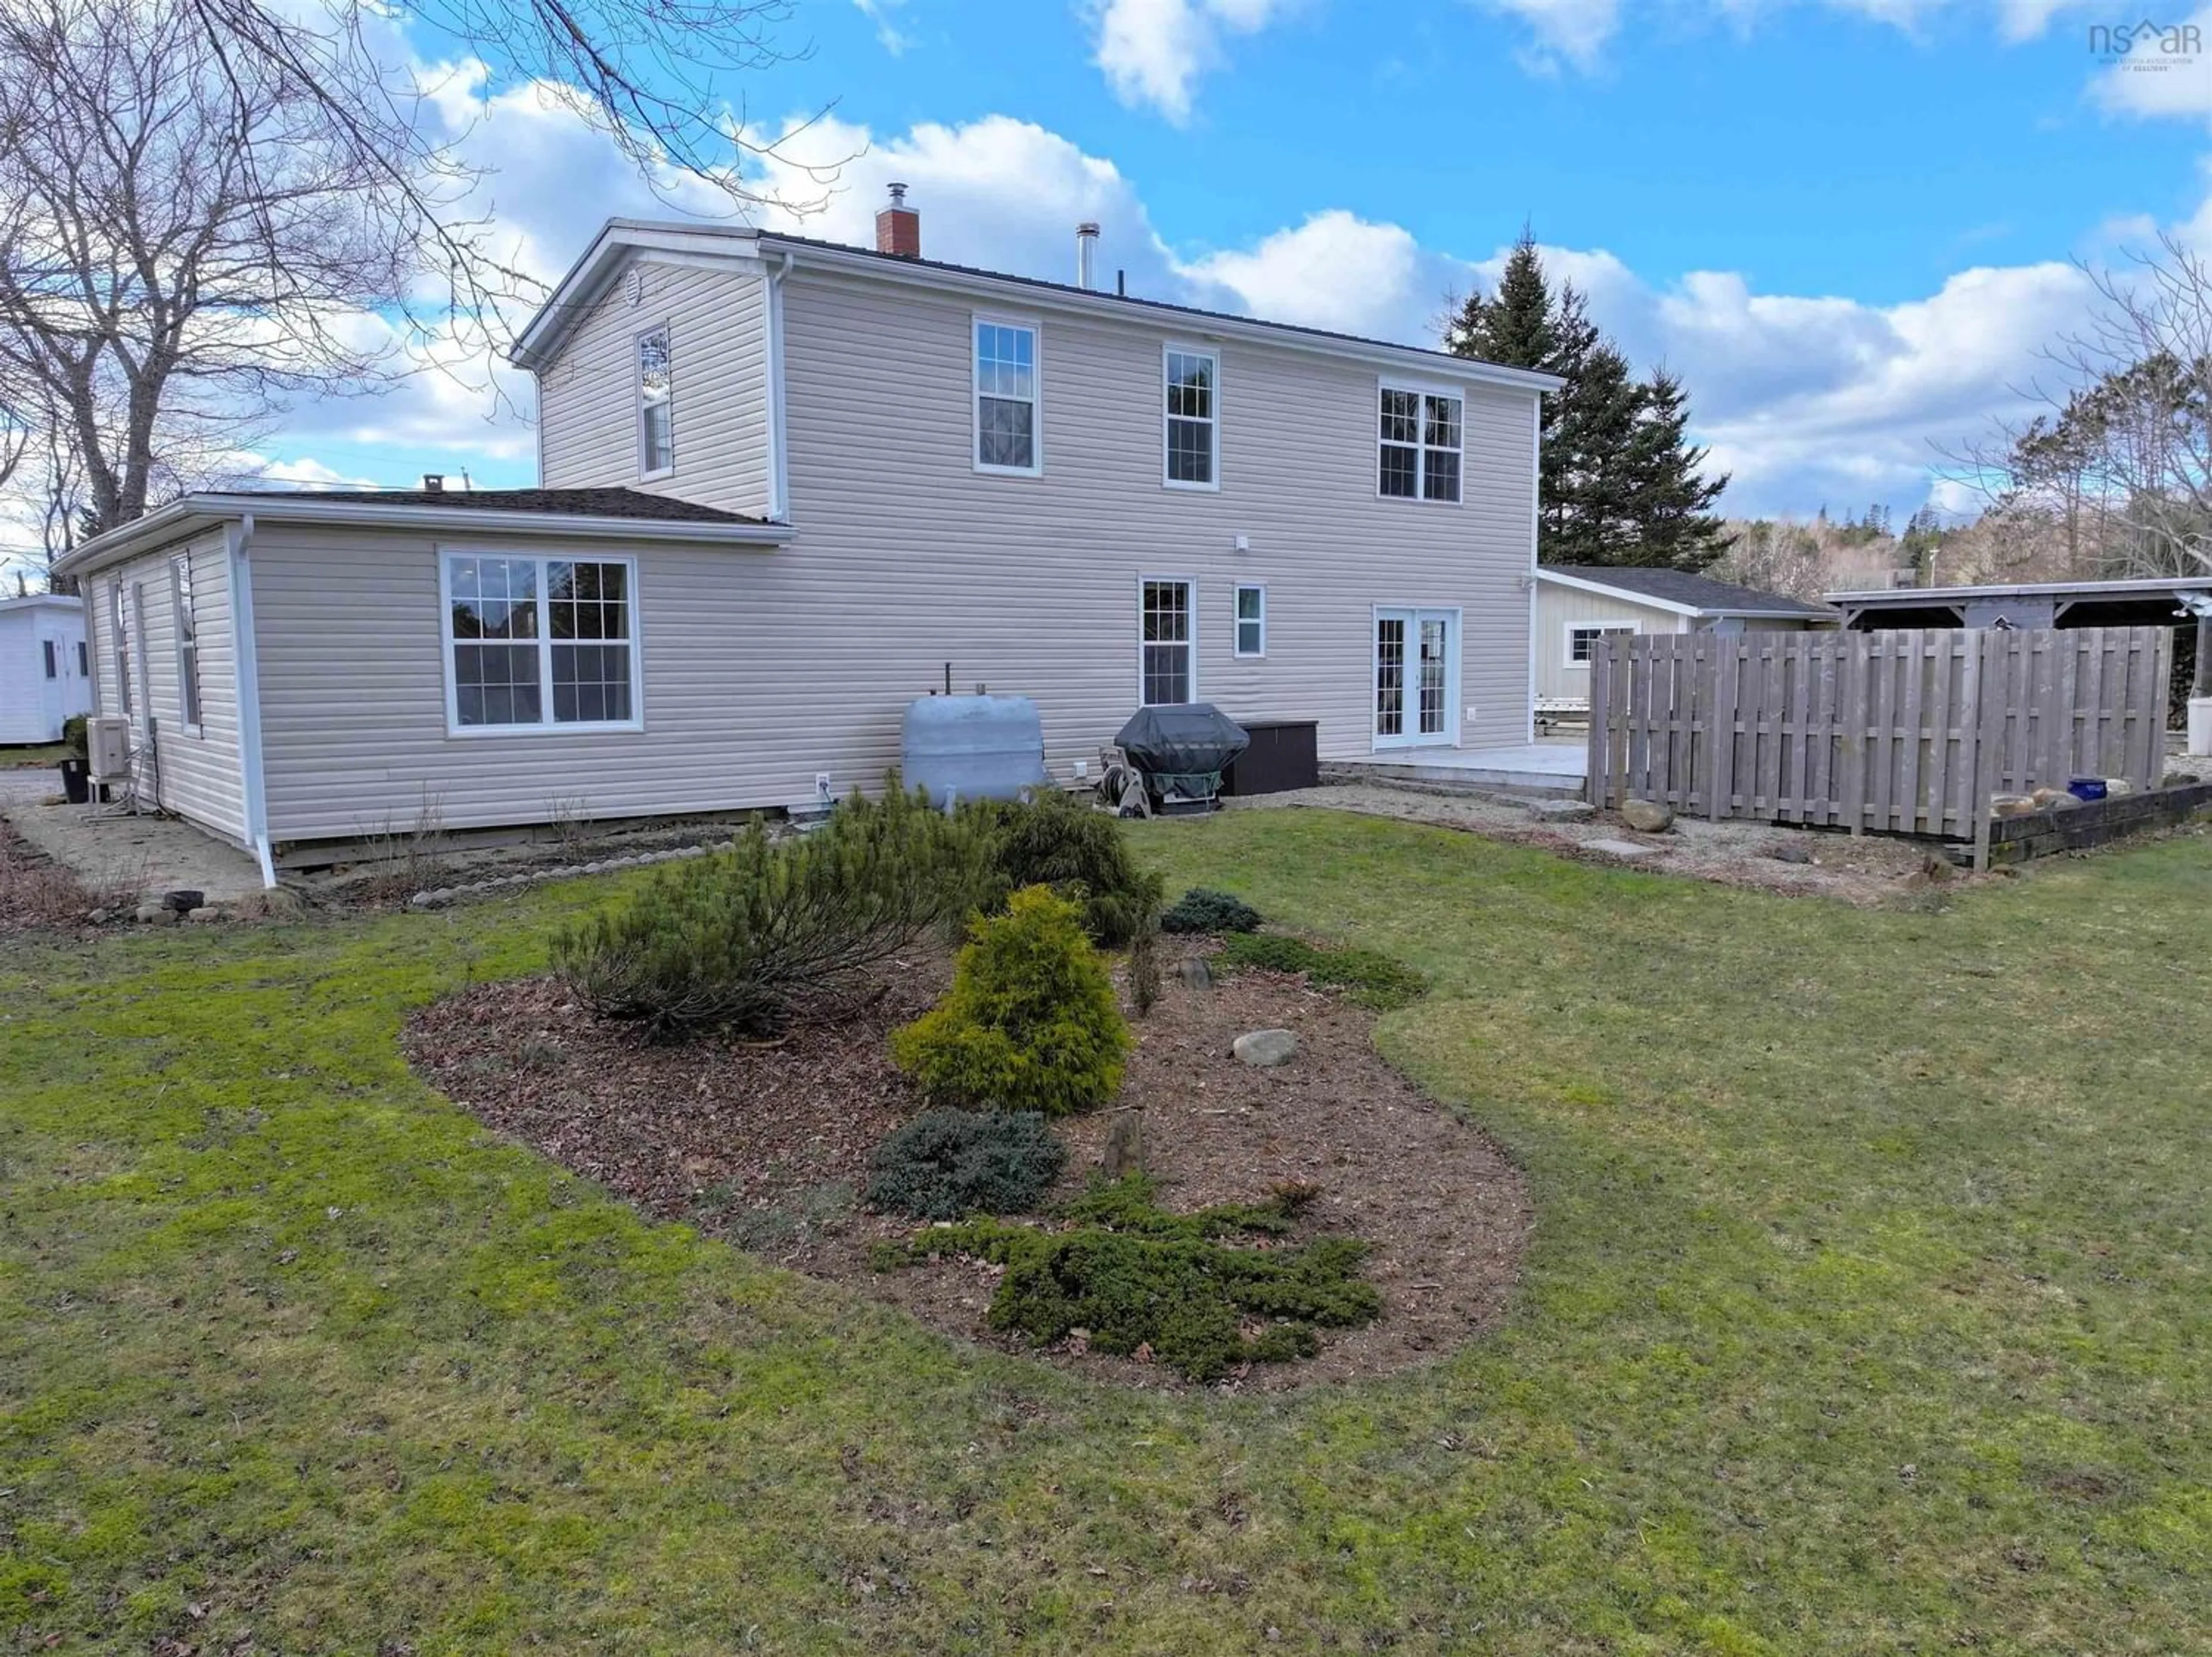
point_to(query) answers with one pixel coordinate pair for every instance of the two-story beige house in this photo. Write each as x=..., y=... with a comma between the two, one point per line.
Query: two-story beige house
x=785, y=485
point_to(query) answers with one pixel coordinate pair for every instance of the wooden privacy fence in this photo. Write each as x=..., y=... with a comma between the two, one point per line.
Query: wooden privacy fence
x=1908, y=732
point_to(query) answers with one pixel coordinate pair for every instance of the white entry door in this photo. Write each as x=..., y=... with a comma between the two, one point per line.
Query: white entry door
x=1416, y=676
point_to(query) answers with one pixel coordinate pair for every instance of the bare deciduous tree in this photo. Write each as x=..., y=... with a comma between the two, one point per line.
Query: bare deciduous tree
x=183, y=246
x=2119, y=468
x=209, y=207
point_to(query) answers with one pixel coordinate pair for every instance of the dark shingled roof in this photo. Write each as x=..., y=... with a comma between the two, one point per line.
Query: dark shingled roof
x=587, y=503
x=1678, y=586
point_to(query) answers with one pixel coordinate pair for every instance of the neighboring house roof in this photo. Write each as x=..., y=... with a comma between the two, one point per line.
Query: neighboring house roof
x=1680, y=592
x=42, y=601
x=627, y=514
x=621, y=240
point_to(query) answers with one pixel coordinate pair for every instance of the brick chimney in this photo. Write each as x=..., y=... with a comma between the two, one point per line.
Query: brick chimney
x=898, y=227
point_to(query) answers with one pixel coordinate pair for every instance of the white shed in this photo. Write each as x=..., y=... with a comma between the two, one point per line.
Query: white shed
x=45, y=676
x=1578, y=605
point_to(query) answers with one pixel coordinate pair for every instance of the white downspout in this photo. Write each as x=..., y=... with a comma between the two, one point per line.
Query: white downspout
x=246, y=664
x=779, y=447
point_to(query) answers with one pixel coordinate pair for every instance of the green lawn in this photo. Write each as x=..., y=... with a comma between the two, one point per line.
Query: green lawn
x=1868, y=1312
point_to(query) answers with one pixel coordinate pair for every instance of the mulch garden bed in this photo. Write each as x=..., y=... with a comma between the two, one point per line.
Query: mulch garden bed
x=769, y=1146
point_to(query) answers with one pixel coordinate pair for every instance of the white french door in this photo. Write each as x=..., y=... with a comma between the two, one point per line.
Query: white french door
x=1416, y=676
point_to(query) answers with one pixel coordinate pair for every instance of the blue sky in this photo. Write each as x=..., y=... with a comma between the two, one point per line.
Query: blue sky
x=1847, y=224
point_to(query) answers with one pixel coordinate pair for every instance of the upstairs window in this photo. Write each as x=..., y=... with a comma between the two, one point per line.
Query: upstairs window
x=656, y=406
x=188, y=641
x=1194, y=428
x=1007, y=397
x=1419, y=438
x=534, y=643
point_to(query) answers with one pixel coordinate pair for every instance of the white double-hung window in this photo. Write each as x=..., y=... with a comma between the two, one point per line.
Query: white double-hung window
x=1167, y=649
x=656, y=404
x=188, y=641
x=1009, y=437
x=1193, y=435
x=1419, y=440
x=541, y=644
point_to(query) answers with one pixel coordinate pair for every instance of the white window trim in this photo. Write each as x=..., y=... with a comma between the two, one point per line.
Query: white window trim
x=1236, y=621
x=1568, y=630
x=1454, y=664
x=1213, y=423
x=645, y=474
x=1189, y=584
x=547, y=726
x=1425, y=388
x=181, y=609
x=1036, y=330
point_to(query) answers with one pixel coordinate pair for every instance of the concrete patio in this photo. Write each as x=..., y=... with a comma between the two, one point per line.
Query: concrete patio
x=1550, y=768
x=119, y=857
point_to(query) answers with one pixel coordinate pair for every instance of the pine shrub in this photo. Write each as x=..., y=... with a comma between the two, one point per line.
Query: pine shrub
x=1366, y=977
x=766, y=933
x=1136, y=1276
x=1030, y=1022
x=1080, y=854
x=947, y=1163
x=1203, y=910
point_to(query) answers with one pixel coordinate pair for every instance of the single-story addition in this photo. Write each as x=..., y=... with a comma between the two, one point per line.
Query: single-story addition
x=46, y=676
x=785, y=489
x=1579, y=604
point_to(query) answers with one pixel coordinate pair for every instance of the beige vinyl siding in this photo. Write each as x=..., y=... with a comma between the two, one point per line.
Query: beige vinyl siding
x=353, y=692
x=1560, y=608
x=763, y=667
x=1029, y=583
x=588, y=399
x=198, y=776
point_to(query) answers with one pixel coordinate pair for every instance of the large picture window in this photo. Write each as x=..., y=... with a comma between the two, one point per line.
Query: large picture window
x=1419, y=438
x=1192, y=382
x=541, y=643
x=1167, y=667
x=656, y=404
x=1005, y=397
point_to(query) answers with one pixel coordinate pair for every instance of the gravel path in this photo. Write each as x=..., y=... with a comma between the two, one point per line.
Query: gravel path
x=1866, y=870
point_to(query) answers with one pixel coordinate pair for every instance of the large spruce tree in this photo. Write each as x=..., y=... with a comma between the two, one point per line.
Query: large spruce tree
x=1618, y=481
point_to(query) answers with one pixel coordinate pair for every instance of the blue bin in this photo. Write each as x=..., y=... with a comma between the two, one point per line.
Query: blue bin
x=2087, y=788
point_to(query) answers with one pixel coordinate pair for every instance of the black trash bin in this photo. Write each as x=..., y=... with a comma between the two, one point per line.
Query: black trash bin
x=76, y=781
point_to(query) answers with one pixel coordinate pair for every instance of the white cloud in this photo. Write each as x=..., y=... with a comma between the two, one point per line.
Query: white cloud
x=1576, y=31
x=1153, y=51
x=888, y=35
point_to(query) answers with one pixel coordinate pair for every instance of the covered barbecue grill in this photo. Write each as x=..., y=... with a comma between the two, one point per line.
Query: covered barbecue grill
x=1182, y=750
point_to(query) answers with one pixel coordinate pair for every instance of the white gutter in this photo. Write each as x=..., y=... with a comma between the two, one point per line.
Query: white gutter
x=245, y=668
x=198, y=511
x=778, y=445
x=1536, y=534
